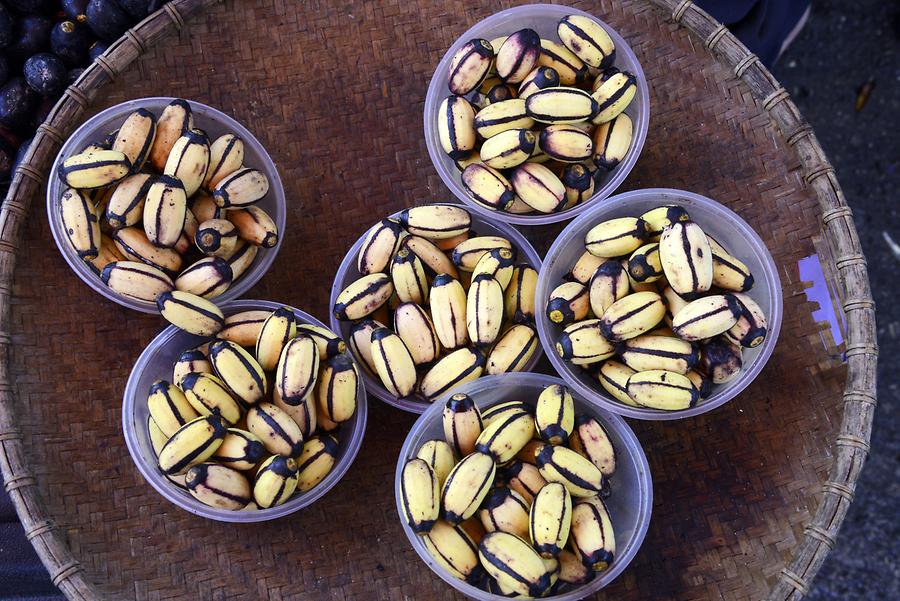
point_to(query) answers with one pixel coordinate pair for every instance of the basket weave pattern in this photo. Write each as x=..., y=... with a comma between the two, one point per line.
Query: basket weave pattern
x=749, y=498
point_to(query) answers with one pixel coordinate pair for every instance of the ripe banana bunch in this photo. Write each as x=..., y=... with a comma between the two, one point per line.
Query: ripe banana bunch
x=250, y=417
x=155, y=193
x=533, y=124
x=657, y=309
x=434, y=305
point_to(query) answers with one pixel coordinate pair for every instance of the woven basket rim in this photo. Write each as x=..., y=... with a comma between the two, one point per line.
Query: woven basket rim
x=851, y=446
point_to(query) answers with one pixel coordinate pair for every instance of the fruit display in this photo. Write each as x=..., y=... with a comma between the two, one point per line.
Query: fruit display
x=433, y=303
x=159, y=207
x=535, y=124
x=655, y=310
x=511, y=499
x=253, y=415
x=44, y=47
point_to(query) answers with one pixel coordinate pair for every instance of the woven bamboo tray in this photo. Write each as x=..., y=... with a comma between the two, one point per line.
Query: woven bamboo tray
x=749, y=498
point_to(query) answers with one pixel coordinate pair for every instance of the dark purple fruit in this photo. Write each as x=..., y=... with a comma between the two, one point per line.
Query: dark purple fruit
x=4, y=70
x=107, y=19
x=40, y=114
x=46, y=74
x=17, y=101
x=96, y=49
x=70, y=41
x=75, y=9
x=30, y=7
x=32, y=36
x=138, y=9
x=7, y=28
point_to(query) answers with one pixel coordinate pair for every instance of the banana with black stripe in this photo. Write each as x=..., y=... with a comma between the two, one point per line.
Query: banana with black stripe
x=561, y=464
x=240, y=371
x=337, y=389
x=218, y=486
x=165, y=210
x=133, y=244
x=488, y=186
x=588, y=40
x=508, y=149
x=506, y=436
x=448, y=301
x=126, y=205
x=538, y=187
x=226, y=155
x=560, y=105
x=241, y=188
x=81, y=223
x=298, y=370
x=649, y=351
x=751, y=327
x=484, y=310
x=439, y=455
x=393, y=362
x=470, y=66
x=415, y=328
x=192, y=444
x=462, y=423
x=461, y=366
x=566, y=143
x=612, y=140
x=583, y=343
x=584, y=268
x=190, y=312
x=274, y=332
x=661, y=217
x=502, y=116
x=519, y=294
x=136, y=280
x=379, y=245
x=328, y=343
x=420, y=495
x=514, y=564
x=106, y=253
x=454, y=551
x=579, y=183
x=241, y=258
x=513, y=350
x=408, y=277
x=569, y=302
x=240, y=450
x=613, y=377
x=592, y=536
x=554, y=415
x=189, y=160
x=608, y=284
x=613, y=96
x=686, y=258
x=437, y=221
x=721, y=360
x=660, y=389
x=276, y=481
x=569, y=68
x=135, y=137
x=524, y=478
x=632, y=316
x=518, y=55
x=316, y=461
x=540, y=78
x=571, y=570
x=361, y=342
x=190, y=361
x=505, y=511
x=456, y=126
x=434, y=259
x=363, y=296
x=729, y=272
x=254, y=225
x=469, y=252
x=175, y=119
x=209, y=277
x=644, y=264
x=591, y=440
x=616, y=237
x=209, y=395
x=497, y=263
x=278, y=432
x=550, y=519
x=216, y=237
x=168, y=407
x=701, y=382
x=466, y=487
x=96, y=169
x=706, y=317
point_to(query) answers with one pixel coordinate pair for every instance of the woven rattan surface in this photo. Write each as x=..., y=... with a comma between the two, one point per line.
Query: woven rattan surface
x=748, y=499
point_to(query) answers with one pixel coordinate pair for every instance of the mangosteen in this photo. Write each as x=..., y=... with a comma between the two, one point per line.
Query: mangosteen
x=46, y=74
x=75, y=9
x=4, y=70
x=7, y=27
x=107, y=19
x=32, y=36
x=138, y=9
x=30, y=7
x=70, y=41
x=17, y=102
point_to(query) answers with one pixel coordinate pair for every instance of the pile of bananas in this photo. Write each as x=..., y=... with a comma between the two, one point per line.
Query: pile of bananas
x=512, y=500
x=543, y=122
x=157, y=207
x=246, y=429
x=656, y=310
x=437, y=305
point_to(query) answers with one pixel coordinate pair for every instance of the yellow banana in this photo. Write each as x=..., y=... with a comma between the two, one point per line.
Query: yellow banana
x=650, y=351
x=337, y=389
x=518, y=55
x=583, y=343
x=561, y=464
x=175, y=119
x=298, y=370
x=439, y=455
x=686, y=258
x=513, y=350
x=276, y=481
x=460, y=366
x=616, y=237
x=276, y=330
x=436, y=222
x=659, y=389
x=275, y=428
x=462, y=423
x=226, y=155
x=612, y=141
x=466, y=487
x=508, y=149
x=569, y=302
x=316, y=461
x=456, y=126
x=363, y=296
x=706, y=317
x=190, y=312
x=613, y=96
x=566, y=143
x=209, y=395
x=169, y=408
x=408, y=277
x=469, y=66
x=240, y=450
x=484, y=310
x=209, y=277
x=519, y=294
x=502, y=116
x=193, y=443
x=241, y=188
x=751, y=327
x=379, y=245
x=254, y=225
x=587, y=39
x=591, y=440
x=453, y=550
x=561, y=105
x=218, y=486
x=96, y=169
x=632, y=316
x=524, y=478
x=592, y=537
x=554, y=415
x=613, y=377
x=448, y=311
x=661, y=217
x=81, y=223
x=189, y=160
x=239, y=370
x=550, y=519
x=505, y=510
x=538, y=187
x=393, y=362
x=420, y=495
x=514, y=564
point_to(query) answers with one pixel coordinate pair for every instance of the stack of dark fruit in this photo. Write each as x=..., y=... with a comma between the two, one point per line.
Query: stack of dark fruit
x=44, y=46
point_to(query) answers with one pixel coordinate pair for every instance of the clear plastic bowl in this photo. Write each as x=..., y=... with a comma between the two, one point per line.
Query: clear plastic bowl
x=724, y=225
x=348, y=273
x=543, y=18
x=156, y=363
x=630, y=502
x=215, y=123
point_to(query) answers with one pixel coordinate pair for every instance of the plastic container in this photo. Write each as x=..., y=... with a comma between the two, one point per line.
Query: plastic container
x=630, y=502
x=720, y=222
x=214, y=123
x=156, y=363
x=347, y=273
x=543, y=18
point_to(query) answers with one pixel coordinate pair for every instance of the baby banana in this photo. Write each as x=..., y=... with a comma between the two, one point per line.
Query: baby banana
x=706, y=317
x=519, y=294
x=135, y=137
x=218, y=486
x=298, y=370
x=132, y=243
x=165, y=211
x=81, y=223
x=569, y=302
x=538, y=187
x=518, y=55
x=316, y=461
x=189, y=160
x=448, y=311
x=276, y=481
x=462, y=423
x=550, y=519
x=278, y=432
x=487, y=185
x=514, y=564
x=240, y=450
x=408, y=277
x=466, y=487
x=169, y=408
x=192, y=443
x=136, y=280
x=440, y=458
x=239, y=370
x=361, y=341
x=502, y=116
x=190, y=361
x=721, y=360
x=469, y=66
x=616, y=237
x=608, y=284
x=554, y=415
x=432, y=257
x=436, y=222
x=613, y=96
x=649, y=352
x=686, y=258
x=379, y=245
x=591, y=440
x=644, y=264
x=583, y=343
x=729, y=272
x=584, y=268
x=524, y=478
x=508, y=149
x=393, y=362
x=661, y=217
x=241, y=258
x=612, y=140
x=274, y=332
x=226, y=155
x=505, y=511
x=176, y=119
x=660, y=389
x=414, y=327
x=540, y=78
x=566, y=143
x=571, y=570
x=209, y=395
x=484, y=310
x=569, y=68
x=460, y=366
x=363, y=296
x=190, y=312
x=613, y=377
x=588, y=40
x=750, y=329
x=216, y=237
x=592, y=537
x=513, y=350
x=337, y=389
x=208, y=277
x=254, y=225
x=420, y=495
x=505, y=437
x=632, y=316
x=456, y=126
x=126, y=205
x=453, y=550
x=561, y=464
x=241, y=188
x=96, y=169
x=561, y=105
x=579, y=183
